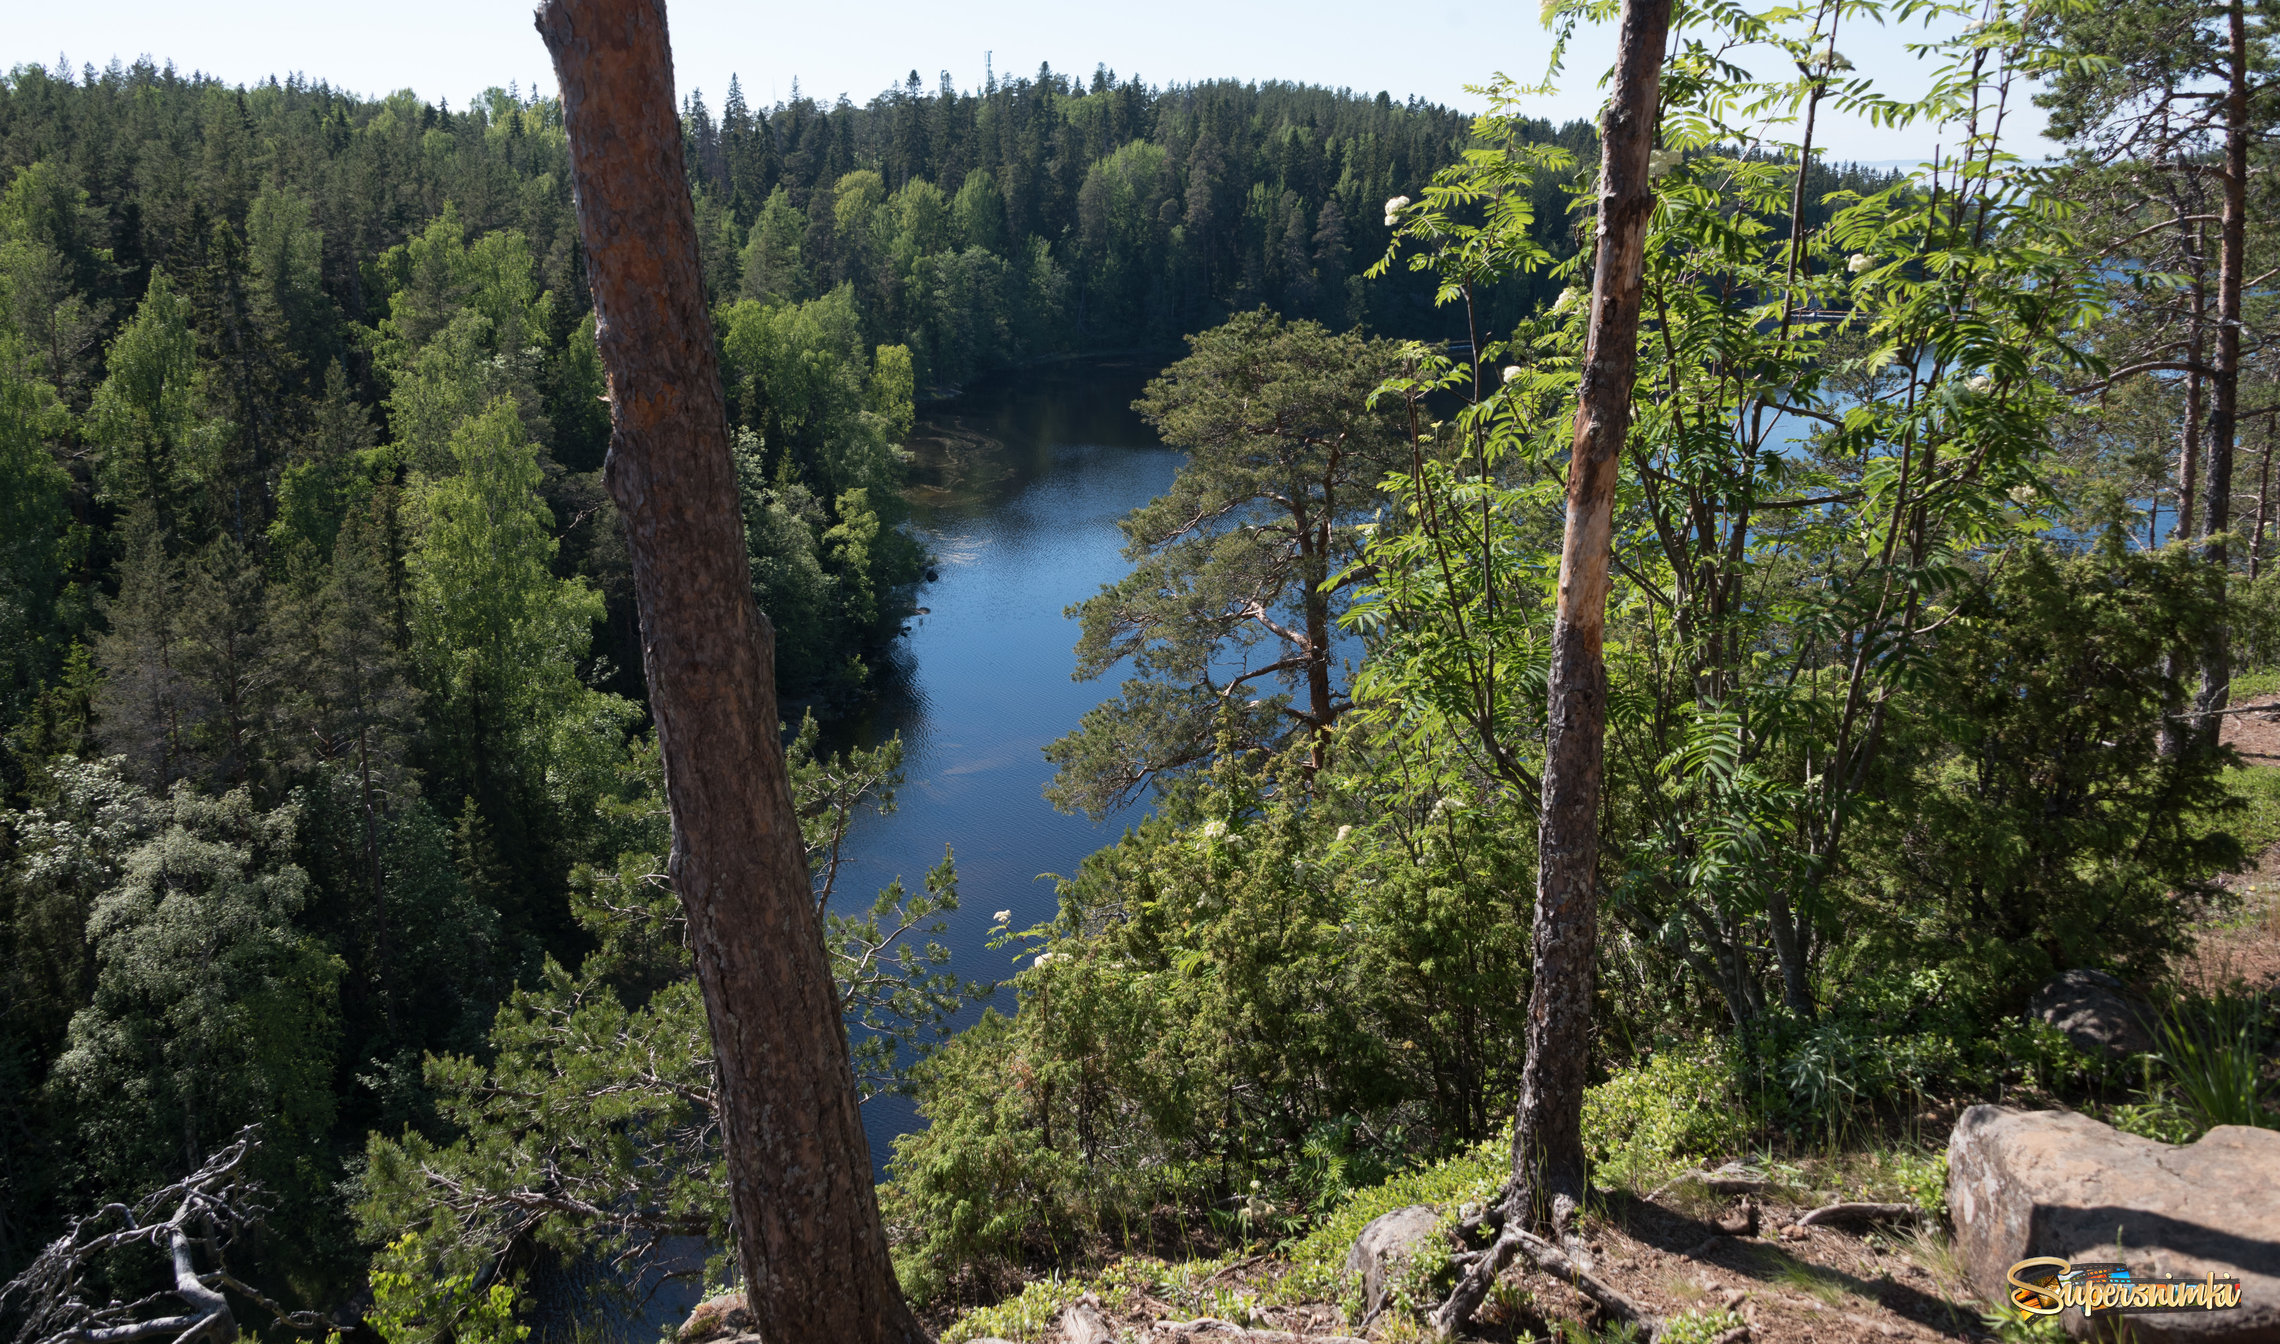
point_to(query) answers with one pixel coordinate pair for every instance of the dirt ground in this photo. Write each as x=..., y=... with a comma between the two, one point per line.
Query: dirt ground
x=1786, y=1285
x=2244, y=946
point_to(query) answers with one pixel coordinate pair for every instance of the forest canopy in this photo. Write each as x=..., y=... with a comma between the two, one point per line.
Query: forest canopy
x=330, y=804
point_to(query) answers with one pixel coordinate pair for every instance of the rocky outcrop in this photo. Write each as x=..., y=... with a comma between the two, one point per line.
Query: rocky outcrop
x=1385, y=1248
x=2090, y=1008
x=716, y=1318
x=2034, y=1183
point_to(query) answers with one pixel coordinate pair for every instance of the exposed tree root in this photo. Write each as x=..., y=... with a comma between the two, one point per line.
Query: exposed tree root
x=1513, y=1242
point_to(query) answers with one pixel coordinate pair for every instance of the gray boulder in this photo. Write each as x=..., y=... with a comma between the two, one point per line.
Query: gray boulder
x=2034, y=1183
x=1385, y=1248
x=2090, y=1008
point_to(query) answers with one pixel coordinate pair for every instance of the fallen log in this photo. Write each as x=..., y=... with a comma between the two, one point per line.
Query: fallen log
x=1246, y=1335
x=1727, y=1180
x=1858, y=1215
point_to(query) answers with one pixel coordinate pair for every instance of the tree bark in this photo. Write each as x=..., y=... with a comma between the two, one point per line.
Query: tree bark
x=809, y=1237
x=1547, y=1151
x=2224, y=417
x=1548, y=1171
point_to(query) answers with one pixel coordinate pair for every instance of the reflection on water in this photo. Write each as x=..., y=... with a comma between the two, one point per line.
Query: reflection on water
x=1016, y=489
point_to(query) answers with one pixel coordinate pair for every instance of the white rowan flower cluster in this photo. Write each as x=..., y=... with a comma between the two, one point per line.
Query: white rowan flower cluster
x=1393, y=207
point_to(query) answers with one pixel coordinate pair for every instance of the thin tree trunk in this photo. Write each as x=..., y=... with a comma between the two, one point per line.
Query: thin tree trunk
x=2216, y=645
x=809, y=1237
x=1548, y=1169
x=2175, y=728
x=384, y=974
x=2263, y=507
x=2189, y=455
x=1547, y=1154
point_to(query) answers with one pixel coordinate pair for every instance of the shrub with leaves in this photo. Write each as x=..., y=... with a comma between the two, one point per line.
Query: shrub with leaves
x=1679, y=1107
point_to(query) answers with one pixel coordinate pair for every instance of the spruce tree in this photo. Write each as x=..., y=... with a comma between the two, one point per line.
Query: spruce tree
x=144, y=708
x=221, y=656
x=366, y=712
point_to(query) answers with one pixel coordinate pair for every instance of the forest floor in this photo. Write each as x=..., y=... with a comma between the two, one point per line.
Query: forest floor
x=1787, y=1284
x=2243, y=945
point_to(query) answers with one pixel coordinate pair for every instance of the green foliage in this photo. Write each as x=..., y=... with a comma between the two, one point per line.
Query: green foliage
x=495, y=634
x=800, y=376
x=209, y=1010
x=1922, y=1179
x=1026, y=1315
x=1697, y=1327
x=816, y=464
x=1681, y=1107
x=1270, y=996
x=55, y=278
x=410, y=1305
x=2039, y=825
x=325, y=473
x=596, y=1086
x=2214, y=1053
x=152, y=445
x=2256, y=821
x=39, y=541
x=1238, y=570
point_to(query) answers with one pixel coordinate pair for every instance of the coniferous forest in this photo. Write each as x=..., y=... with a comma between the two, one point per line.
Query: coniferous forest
x=335, y=905
x=311, y=576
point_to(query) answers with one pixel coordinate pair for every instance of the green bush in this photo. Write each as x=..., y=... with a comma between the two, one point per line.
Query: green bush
x=1243, y=1020
x=1680, y=1106
x=1027, y=1315
x=1697, y=1327
x=1318, y=1260
x=2032, y=820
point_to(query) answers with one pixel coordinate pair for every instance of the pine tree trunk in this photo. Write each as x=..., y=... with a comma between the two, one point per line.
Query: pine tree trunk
x=809, y=1237
x=2224, y=418
x=1547, y=1145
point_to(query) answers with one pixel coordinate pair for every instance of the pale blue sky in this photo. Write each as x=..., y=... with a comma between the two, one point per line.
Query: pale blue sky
x=454, y=48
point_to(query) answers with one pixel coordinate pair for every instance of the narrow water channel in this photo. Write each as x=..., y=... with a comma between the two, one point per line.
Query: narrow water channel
x=1016, y=488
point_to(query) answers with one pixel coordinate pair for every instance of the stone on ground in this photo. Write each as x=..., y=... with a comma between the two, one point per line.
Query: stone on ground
x=2090, y=1008
x=2033, y=1183
x=1083, y=1322
x=1385, y=1247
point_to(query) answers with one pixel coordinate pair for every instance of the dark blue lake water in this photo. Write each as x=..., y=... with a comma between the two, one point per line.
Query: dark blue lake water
x=1016, y=488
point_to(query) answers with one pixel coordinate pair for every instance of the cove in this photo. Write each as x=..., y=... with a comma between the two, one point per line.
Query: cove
x=1015, y=488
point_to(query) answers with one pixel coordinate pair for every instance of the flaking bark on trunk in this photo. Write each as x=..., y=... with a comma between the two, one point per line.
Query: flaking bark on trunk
x=809, y=1237
x=1547, y=1147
